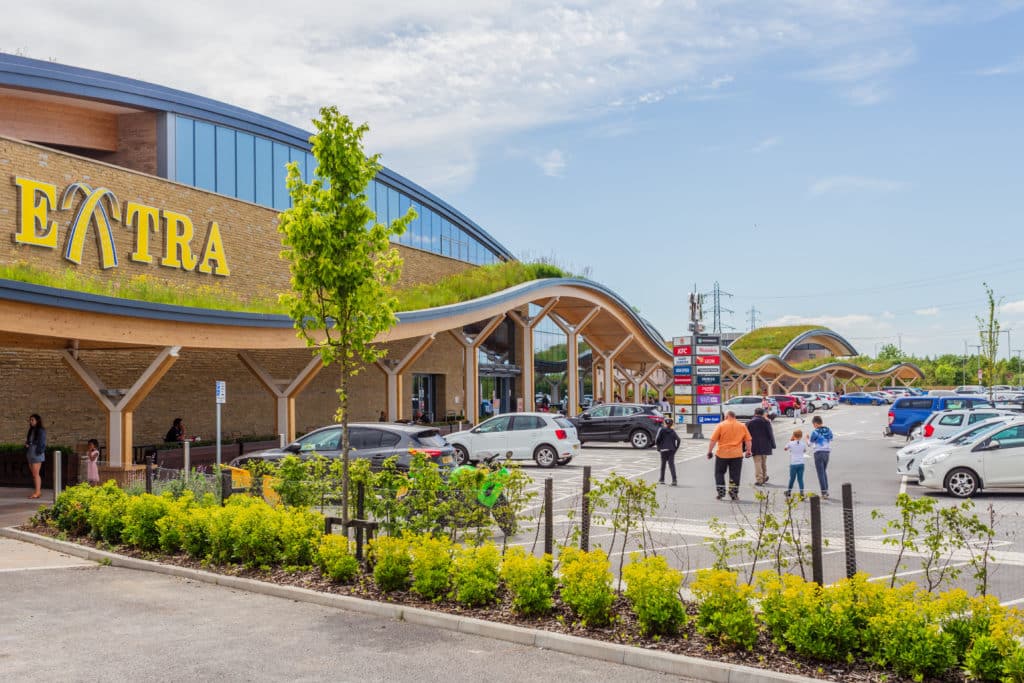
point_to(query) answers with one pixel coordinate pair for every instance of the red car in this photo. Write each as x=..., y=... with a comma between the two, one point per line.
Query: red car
x=788, y=404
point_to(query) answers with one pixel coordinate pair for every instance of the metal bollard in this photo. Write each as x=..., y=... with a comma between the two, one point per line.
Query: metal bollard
x=188, y=459
x=225, y=485
x=848, y=536
x=361, y=515
x=585, y=512
x=549, y=516
x=149, y=473
x=57, y=474
x=282, y=444
x=817, y=572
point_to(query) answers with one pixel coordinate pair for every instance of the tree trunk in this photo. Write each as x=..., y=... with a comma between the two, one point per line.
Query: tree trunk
x=344, y=448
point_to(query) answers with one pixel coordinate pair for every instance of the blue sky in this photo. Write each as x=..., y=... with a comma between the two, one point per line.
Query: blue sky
x=855, y=164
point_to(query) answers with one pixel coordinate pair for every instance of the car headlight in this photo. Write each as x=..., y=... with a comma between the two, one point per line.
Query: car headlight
x=936, y=457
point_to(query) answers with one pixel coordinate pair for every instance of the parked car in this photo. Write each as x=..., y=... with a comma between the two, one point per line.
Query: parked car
x=994, y=461
x=828, y=400
x=886, y=397
x=813, y=401
x=910, y=412
x=636, y=423
x=773, y=410
x=787, y=404
x=948, y=422
x=970, y=389
x=908, y=457
x=743, y=406
x=860, y=398
x=375, y=441
x=546, y=438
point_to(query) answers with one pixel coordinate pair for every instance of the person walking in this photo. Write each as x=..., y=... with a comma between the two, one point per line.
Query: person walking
x=797, y=410
x=797, y=448
x=821, y=445
x=667, y=443
x=733, y=441
x=35, y=451
x=762, y=443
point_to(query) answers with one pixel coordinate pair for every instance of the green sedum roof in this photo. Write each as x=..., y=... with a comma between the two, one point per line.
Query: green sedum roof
x=767, y=340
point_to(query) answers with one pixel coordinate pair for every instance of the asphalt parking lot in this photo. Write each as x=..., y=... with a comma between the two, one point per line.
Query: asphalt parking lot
x=861, y=456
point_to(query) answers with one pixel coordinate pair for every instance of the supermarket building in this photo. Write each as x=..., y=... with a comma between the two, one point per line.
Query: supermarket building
x=113, y=182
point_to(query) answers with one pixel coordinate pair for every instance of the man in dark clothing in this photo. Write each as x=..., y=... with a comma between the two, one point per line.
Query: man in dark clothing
x=667, y=443
x=762, y=438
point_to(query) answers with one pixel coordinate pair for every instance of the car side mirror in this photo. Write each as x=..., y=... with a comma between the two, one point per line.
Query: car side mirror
x=585, y=416
x=992, y=445
x=293, y=447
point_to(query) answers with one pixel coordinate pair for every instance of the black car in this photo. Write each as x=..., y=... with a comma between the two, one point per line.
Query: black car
x=374, y=441
x=636, y=423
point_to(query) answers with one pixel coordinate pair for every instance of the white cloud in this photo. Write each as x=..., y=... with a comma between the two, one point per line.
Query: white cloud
x=888, y=315
x=552, y=163
x=861, y=77
x=1014, y=66
x=931, y=310
x=848, y=183
x=1013, y=307
x=766, y=144
x=438, y=84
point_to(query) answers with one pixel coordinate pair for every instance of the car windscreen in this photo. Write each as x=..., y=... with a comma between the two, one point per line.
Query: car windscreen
x=431, y=438
x=972, y=434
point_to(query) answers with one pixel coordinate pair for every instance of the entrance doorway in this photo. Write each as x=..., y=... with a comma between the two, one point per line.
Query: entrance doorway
x=424, y=398
x=496, y=395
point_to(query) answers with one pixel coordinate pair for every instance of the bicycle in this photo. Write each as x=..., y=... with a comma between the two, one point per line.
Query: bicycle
x=490, y=493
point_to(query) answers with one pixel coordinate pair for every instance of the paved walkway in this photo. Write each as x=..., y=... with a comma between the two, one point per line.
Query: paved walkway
x=16, y=507
x=69, y=620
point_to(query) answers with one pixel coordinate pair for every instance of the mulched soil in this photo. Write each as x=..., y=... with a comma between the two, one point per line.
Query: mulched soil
x=624, y=629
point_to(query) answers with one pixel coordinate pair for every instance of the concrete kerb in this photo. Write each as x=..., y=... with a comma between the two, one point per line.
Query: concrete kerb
x=651, y=660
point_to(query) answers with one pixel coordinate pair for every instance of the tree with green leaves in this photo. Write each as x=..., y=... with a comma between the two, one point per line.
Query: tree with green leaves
x=341, y=259
x=988, y=335
x=891, y=353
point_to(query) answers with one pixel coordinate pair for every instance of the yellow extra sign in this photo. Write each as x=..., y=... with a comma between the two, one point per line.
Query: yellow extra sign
x=684, y=399
x=98, y=210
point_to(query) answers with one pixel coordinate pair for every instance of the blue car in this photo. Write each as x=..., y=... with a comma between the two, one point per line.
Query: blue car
x=910, y=412
x=859, y=398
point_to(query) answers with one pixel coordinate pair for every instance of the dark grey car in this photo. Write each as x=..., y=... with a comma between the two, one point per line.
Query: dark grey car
x=636, y=423
x=374, y=441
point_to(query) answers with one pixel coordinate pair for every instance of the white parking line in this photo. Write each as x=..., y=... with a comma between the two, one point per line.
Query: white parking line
x=903, y=484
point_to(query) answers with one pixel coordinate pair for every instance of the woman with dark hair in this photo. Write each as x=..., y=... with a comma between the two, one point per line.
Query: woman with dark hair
x=35, y=450
x=176, y=432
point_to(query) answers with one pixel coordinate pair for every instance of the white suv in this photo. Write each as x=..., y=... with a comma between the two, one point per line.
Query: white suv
x=813, y=401
x=546, y=438
x=743, y=406
x=996, y=460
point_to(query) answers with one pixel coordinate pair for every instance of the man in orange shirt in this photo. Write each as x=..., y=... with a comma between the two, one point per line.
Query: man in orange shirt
x=733, y=441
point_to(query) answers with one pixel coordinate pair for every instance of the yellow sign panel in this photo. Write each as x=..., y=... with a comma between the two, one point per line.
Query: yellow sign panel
x=684, y=399
x=98, y=208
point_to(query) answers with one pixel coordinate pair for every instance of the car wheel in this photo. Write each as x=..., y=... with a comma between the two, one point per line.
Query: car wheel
x=791, y=412
x=962, y=483
x=545, y=456
x=564, y=461
x=461, y=455
x=810, y=408
x=640, y=439
x=876, y=403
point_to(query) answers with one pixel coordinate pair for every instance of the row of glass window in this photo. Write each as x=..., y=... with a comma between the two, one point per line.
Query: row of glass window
x=252, y=168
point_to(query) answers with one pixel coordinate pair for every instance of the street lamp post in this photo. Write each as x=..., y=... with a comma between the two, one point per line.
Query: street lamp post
x=1016, y=376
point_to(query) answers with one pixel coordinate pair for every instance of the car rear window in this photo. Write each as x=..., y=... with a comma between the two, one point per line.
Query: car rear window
x=524, y=422
x=388, y=439
x=563, y=423
x=430, y=438
x=915, y=403
x=360, y=438
x=951, y=420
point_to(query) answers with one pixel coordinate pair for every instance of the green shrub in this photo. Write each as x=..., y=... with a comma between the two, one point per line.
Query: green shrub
x=652, y=588
x=106, y=513
x=300, y=532
x=221, y=531
x=724, y=608
x=475, y=574
x=825, y=623
x=335, y=559
x=431, y=566
x=71, y=509
x=195, y=531
x=171, y=527
x=586, y=585
x=530, y=581
x=140, y=520
x=997, y=655
x=904, y=635
x=392, y=562
x=256, y=534
x=293, y=482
